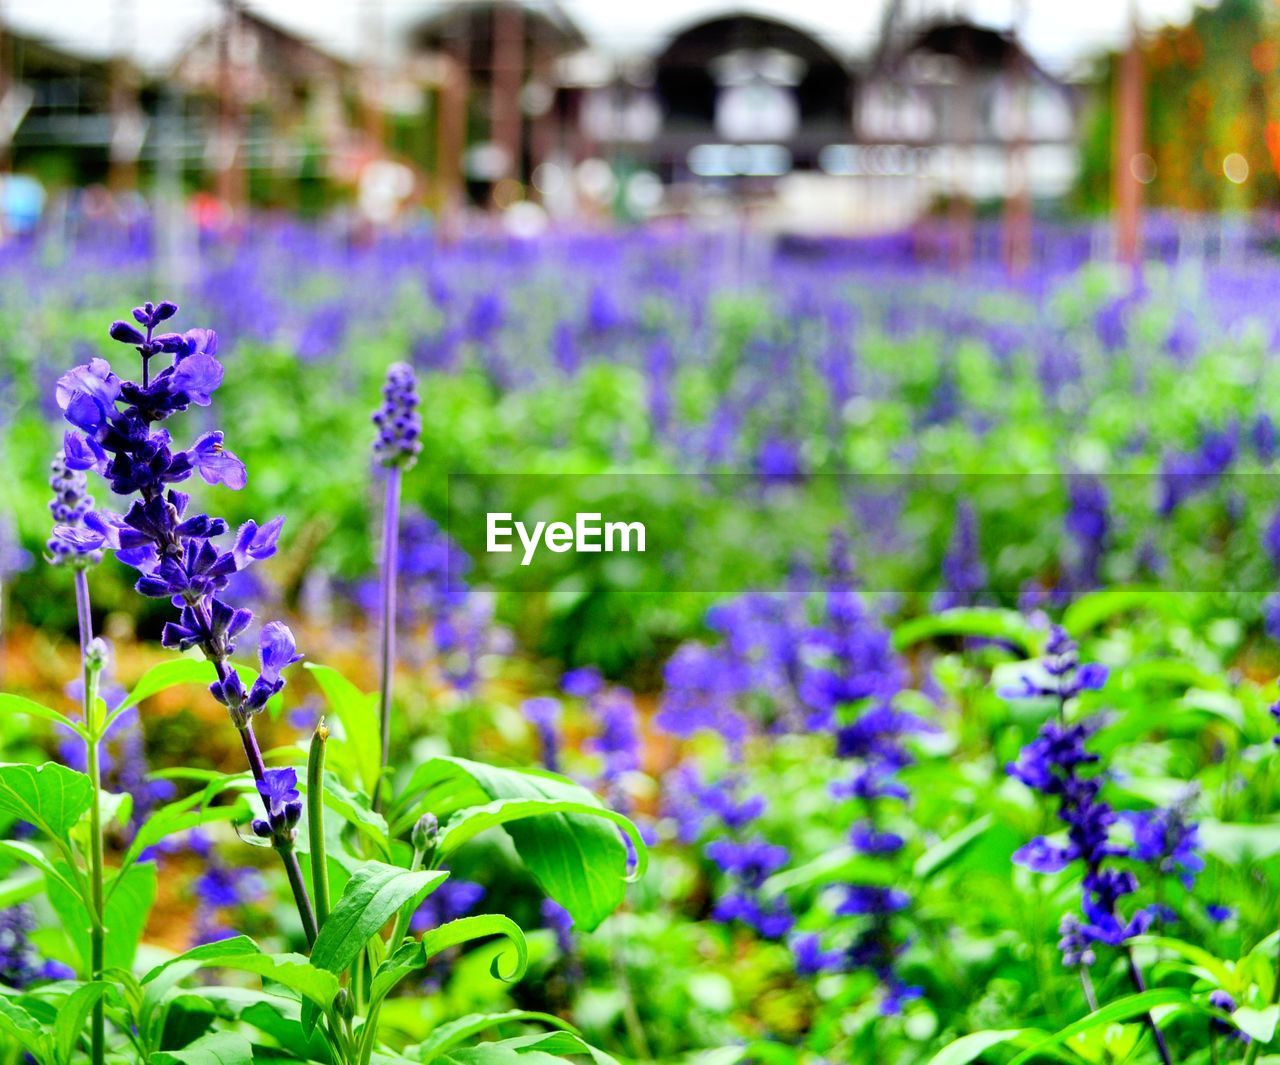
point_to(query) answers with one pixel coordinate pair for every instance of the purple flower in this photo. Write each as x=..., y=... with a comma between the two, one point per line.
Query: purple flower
x=544, y=714
x=71, y=543
x=582, y=683
x=399, y=424
x=175, y=552
x=279, y=791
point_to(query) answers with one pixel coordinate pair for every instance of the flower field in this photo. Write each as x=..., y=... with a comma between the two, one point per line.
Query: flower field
x=937, y=724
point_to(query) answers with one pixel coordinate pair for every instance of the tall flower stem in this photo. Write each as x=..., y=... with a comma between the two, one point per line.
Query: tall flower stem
x=1140, y=985
x=390, y=553
x=89, y=709
x=283, y=845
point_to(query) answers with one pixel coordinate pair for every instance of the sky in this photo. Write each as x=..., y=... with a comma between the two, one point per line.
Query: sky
x=1061, y=35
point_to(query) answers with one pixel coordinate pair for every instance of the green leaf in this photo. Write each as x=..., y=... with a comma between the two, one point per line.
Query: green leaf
x=16, y=704
x=449, y=1035
x=244, y=955
x=416, y=953
x=577, y=858
x=72, y=1017
x=1237, y=844
x=1213, y=967
x=1093, y=608
x=354, y=809
x=947, y=850
x=358, y=714
x=970, y=1047
x=50, y=796
x=1259, y=1024
x=1123, y=1009
x=180, y=816
x=217, y=1048
x=34, y=856
x=982, y=622
x=23, y=885
x=130, y=894
x=556, y=1043
x=162, y=677
x=26, y=1029
x=375, y=893
x=469, y=823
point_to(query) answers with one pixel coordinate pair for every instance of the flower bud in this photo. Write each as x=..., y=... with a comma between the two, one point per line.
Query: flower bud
x=261, y=828
x=97, y=654
x=425, y=832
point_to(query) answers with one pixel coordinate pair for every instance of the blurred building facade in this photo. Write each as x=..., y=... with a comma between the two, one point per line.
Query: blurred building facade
x=497, y=103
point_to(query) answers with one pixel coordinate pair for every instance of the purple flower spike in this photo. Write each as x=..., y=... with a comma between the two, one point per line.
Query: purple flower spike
x=399, y=424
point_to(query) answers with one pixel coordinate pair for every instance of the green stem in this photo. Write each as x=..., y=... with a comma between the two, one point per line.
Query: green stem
x=97, y=929
x=315, y=824
x=390, y=552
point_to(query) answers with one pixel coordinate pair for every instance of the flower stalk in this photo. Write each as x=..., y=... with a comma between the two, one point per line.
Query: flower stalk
x=396, y=449
x=92, y=658
x=387, y=649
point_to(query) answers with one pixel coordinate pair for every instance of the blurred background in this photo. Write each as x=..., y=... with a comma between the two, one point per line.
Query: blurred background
x=804, y=117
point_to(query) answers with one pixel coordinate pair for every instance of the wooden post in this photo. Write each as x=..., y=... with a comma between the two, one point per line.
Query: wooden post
x=451, y=134
x=1017, y=219
x=374, y=123
x=506, y=120
x=1127, y=145
x=230, y=177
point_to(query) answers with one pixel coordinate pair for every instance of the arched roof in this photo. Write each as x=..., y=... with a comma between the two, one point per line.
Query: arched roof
x=685, y=78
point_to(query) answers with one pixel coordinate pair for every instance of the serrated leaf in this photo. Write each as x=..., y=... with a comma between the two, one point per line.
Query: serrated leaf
x=449, y=1035
x=49, y=796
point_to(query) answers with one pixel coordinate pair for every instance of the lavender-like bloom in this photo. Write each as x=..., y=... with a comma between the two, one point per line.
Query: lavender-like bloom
x=396, y=447
x=71, y=544
x=1167, y=840
x=748, y=863
x=560, y=921
x=177, y=553
x=1055, y=764
x=399, y=424
x=20, y=966
x=544, y=715
x=964, y=578
x=1089, y=524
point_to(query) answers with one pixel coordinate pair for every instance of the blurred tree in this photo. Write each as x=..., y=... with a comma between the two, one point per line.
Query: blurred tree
x=1212, y=114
